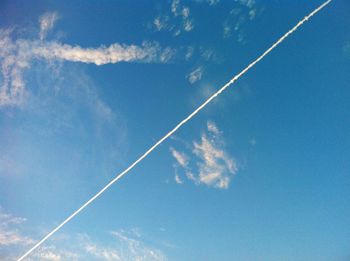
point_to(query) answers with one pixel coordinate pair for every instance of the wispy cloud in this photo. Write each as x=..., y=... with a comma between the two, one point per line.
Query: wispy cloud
x=181, y=162
x=47, y=22
x=13, y=241
x=189, y=52
x=101, y=252
x=209, y=2
x=115, y=53
x=52, y=253
x=175, y=7
x=252, y=141
x=12, y=86
x=9, y=233
x=123, y=245
x=161, y=22
x=180, y=157
x=213, y=2
x=243, y=12
x=346, y=48
x=17, y=55
x=211, y=126
x=214, y=166
x=195, y=75
x=177, y=179
x=135, y=249
x=248, y=3
x=177, y=21
x=208, y=54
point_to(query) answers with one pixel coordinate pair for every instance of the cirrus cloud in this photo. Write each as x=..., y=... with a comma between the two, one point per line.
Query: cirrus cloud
x=213, y=166
x=195, y=75
x=47, y=22
x=123, y=245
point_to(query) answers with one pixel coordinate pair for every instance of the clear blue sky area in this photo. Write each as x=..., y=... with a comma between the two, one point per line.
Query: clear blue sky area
x=262, y=173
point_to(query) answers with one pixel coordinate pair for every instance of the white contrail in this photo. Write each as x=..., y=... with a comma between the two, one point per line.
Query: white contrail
x=177, y=127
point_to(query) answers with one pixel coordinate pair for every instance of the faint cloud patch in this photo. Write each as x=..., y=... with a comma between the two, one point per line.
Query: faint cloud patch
x=212, y=166
x=202, y=54
x=189, y=52
x=177, y=21
x=211, y=126
x=346, y=48
x=123, y=245
x=52, y=253
x=102, y=253
x=135, y=249
x=195, y=75
x=181, y=158
x=252, y=141
x=244, y=12
x=207, y=54
x=181, y=161
x=209, y=2
x=47, y=22
x=177, y=178
x=9, y=232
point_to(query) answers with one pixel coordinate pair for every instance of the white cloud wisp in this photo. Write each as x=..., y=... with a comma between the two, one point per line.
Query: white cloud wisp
x=9, y=234
x=179, y=19
x=215, y=167
x=123, y=245
x=47, y=22
x=195, y=75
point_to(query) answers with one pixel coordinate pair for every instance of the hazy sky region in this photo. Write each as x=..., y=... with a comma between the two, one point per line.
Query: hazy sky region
x=261, y=174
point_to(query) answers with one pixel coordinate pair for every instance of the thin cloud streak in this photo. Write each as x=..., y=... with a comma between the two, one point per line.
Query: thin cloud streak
x=114, y=53
x=180, y=157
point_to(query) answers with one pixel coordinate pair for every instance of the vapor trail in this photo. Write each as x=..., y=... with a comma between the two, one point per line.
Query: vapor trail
x=120, y=175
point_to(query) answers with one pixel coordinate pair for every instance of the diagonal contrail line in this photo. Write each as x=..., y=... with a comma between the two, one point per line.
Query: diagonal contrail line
x=120, y=175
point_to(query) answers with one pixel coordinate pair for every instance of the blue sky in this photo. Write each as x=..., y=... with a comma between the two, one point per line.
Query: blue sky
x=262, y=173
